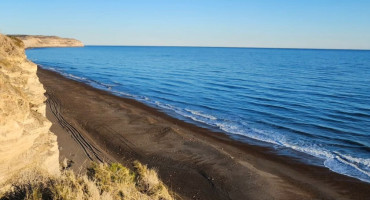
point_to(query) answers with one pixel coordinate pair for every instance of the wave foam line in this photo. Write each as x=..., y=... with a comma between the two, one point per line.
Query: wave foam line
x=343, y=164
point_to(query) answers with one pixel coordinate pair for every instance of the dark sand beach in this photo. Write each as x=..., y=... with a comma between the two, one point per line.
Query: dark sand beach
x=194, y=162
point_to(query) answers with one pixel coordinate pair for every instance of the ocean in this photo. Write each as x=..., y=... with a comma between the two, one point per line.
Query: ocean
x=312, y=105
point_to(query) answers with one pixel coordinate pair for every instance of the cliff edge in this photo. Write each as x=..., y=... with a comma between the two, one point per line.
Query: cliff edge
x=25, y=139
x=37, y=41
x=29, y=155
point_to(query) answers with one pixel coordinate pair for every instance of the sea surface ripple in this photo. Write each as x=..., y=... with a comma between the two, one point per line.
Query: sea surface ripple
x=310, y=104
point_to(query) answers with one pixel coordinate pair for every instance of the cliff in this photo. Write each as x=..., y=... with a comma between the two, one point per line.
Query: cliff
x=36, y=41
x=25, y=139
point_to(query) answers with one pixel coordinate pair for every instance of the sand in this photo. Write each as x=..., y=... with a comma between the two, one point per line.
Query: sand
x=194, y=162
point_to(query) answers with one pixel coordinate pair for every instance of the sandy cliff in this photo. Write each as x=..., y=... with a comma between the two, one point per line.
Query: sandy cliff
x=25, y=139
x=34, y=41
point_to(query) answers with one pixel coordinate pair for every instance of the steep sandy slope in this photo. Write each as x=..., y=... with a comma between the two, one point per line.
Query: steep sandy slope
x=34, y=41
x=25, y=139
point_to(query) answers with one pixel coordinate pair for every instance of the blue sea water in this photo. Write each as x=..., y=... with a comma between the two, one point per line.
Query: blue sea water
x=309, y=104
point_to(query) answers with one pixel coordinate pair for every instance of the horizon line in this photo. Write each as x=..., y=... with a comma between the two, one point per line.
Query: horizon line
x=303, y=48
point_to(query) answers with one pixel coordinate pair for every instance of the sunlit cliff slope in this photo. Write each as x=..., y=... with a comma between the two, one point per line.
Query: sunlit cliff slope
x=25, y=139
x=35, y=41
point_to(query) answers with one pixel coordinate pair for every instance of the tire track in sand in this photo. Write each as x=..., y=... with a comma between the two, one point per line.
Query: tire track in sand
x=90, y=150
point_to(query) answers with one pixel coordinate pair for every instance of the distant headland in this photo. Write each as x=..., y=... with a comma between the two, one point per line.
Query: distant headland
x=39, y=41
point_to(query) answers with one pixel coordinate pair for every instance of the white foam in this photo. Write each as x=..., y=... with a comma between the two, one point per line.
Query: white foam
x=341, y=166
x=198, y=113
x=353, y=165
x=124, y=94
x=363, y=161
x=75, y=77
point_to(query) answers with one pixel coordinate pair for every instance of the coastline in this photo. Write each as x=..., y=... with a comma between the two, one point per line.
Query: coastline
x=216, y=166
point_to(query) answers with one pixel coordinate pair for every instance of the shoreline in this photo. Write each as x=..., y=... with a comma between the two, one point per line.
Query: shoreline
x=221, y=168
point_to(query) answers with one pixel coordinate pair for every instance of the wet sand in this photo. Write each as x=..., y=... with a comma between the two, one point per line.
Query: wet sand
x=194, y=162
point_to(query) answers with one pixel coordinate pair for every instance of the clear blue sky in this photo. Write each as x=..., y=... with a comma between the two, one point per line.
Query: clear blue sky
x=241, y=23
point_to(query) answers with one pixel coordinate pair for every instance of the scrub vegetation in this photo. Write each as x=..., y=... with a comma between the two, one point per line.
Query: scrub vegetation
x=101, y=182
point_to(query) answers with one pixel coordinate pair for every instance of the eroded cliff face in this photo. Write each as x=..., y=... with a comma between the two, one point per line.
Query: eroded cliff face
x=25, y=139
x=35, y=41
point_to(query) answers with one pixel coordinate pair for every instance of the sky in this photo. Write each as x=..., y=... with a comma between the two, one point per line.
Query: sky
x=333, y=24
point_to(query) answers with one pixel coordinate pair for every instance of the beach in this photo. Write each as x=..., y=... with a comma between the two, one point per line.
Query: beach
x=194, y=162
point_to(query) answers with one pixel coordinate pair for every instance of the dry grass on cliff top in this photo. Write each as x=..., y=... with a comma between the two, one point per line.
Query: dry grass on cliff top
x=102, y=182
